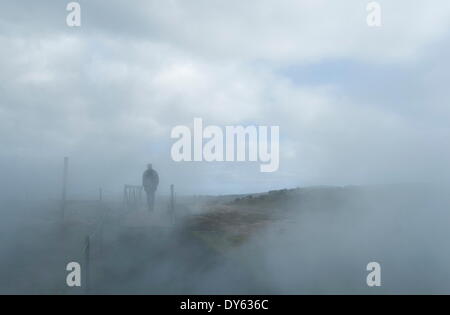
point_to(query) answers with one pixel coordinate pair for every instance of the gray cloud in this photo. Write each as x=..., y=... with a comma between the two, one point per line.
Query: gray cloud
x=354, y=104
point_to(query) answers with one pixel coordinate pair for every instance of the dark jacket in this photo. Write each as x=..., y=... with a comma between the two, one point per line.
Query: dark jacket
x=150, y=180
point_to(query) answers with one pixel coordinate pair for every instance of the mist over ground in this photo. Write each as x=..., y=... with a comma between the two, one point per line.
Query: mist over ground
x=299, y=241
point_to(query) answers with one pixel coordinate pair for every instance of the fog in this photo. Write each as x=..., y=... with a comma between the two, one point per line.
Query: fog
x=316, y=240
x=361, y=110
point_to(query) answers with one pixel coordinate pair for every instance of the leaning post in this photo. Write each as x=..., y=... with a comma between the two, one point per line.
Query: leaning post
x=172, y=202
x=64, y=190
x=87, y=258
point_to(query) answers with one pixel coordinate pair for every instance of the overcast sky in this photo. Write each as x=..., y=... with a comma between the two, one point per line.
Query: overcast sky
x=355, y=105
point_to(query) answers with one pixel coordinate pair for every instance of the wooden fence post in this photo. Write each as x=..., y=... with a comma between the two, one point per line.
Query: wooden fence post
x=87, y=257
x=64, y=190
x=172, y=203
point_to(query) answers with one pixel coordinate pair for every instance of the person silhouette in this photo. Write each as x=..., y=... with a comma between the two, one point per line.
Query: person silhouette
x=150, y=181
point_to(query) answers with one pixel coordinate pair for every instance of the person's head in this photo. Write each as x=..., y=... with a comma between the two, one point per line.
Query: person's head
x=149, y=166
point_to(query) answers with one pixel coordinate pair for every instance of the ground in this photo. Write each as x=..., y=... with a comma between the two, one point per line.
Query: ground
x=305, y=240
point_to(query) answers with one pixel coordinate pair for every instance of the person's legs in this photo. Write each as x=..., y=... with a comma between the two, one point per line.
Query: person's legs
x=147, y=193
x=150, y=200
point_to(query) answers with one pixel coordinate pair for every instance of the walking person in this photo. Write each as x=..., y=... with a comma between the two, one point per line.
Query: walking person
x=150, y=181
